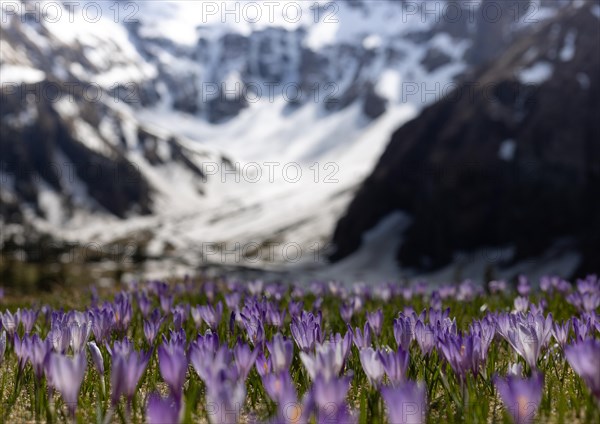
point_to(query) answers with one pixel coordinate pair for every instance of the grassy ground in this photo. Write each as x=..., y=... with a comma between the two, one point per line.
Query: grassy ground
x=565, y=397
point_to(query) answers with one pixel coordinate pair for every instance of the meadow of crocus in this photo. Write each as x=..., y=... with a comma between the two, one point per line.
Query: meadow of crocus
x=231, y=351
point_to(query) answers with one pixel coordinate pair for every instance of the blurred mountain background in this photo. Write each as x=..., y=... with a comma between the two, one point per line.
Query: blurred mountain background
x=354, y=140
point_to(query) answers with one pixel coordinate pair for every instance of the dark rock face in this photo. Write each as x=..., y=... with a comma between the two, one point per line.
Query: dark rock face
x=505, y=162
x=374, y=105
x=44, y=151
x=434, y=59
x=494, y=27
x=222, y=108
x=43, y=148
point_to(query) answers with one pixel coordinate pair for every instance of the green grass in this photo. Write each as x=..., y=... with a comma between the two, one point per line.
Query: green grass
x=565, y=398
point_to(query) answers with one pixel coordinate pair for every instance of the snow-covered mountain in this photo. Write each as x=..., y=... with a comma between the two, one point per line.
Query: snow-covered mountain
x=511, y=161
x=219, y=130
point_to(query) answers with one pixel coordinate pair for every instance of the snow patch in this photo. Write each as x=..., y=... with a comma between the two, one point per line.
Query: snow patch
x=19, y=74
x=66, y=108
x=88, y=136
x=51, y=203
x=536, y=74
x=372, y=42
x=389, y=85
x=375, y=261
x=25, y=117
x=583, y=80
x=507, y=150
x=567, y=53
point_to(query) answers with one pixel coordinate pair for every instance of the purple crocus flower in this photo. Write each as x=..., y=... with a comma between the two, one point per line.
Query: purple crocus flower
x=96, y=358
x=439, y=317
x=275, y=316
x=395, y=365
x=208, y=341
x=529, y=335
x=330, y=397
x=539, y=308
x=263, y=364
x=102, y=323
x=521, y=304
x=521, y=397
x=560, y=332
x=436, y=300
x=372, y=365
x=122, y=311
x=79, y=335
x=590, y=301
x=177, y=339
x=280, y=388
x=66, y=376
x=306, y=330
x=210, y=315
x=208, y=363
x=144, y=303
x=244, y=359
x=546, y=284
x=195, y=312
x=405, y=403
x=345, y=341
x=209, y=290
x=584, y=358
x=463, y=353
x=523, y=287
x=27, y=318
x=173, y=366
x=590, y=284
x=20, y=346
x=327, y=362
x=166, y=302
x=383, y=292
x=254, y=329
x=375, y=320
x=504, y=322
x=9, y=322
x=37, y=352
x=151, y=329
x=403, y=332
x=467, y=290
x=2, y=345
x=447, y=291
x=226, y=394
x=180, y=314
x=275, y=291
x=581, y=327
x=316, y=306
x=295, y=308
x=121, y=347
x=282, y=351
x=347, y=311
x=497, y=286
x=425, y=337
x=362, y=339
x=232, y=300
x=162, y=410
x=485, y=329
x=127, y=369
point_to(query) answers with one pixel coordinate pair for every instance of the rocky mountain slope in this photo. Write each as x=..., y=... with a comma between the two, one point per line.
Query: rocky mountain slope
x=109, y=125
x=511, y=157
